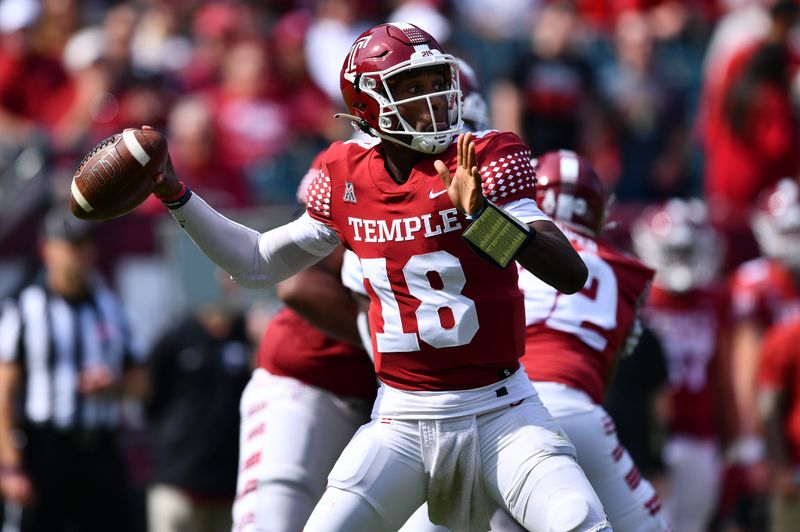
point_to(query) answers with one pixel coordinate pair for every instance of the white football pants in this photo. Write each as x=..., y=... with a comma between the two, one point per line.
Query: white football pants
x=630, y=502
x=527, y=468
x=290, y=436
x=693, y=482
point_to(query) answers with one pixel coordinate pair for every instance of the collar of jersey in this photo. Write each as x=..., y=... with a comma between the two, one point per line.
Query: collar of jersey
x=384, y=182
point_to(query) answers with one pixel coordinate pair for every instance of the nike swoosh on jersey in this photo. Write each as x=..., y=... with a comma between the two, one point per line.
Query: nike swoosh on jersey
x=434, y=195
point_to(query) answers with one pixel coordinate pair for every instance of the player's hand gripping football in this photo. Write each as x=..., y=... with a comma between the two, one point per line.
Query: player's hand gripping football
x=463, y=187
x=167, y=183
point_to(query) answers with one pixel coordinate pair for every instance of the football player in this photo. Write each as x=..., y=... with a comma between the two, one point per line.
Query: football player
x=779, y=409
x=310, y=392
x=436, y=226
x=574, y=340
x=688, y=310
x=765, y=291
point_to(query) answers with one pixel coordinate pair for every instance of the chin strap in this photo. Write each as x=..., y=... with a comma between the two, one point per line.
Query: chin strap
x=359, y=124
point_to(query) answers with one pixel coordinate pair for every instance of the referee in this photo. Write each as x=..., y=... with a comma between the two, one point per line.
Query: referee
x=65, y=353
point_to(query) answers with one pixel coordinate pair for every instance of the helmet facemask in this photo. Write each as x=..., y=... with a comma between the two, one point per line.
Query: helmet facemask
x=776, y=223
x=679, y=243
x=391, y=123
x=778, y=236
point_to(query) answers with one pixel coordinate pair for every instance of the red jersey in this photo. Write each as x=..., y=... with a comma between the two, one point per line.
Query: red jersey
x=690, y=326
x=441, y=317
x=293, y=347
x=574, y=339
x=780, y=370
x=765, y=291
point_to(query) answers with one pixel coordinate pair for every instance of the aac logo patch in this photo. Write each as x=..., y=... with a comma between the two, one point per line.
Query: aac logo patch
x=349, y=192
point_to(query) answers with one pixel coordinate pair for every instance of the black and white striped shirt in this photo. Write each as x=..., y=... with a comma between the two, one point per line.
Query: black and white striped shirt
x=54, y=339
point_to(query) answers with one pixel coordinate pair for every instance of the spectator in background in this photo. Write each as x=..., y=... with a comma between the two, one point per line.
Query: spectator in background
x=216, y=26
x=749, y=129
x=688, y=311
x=549, y=98
x=335, y=26
x=779, y=407
x=27, y=77
x=492, y=33
x=65, y=356
x=310, y=109
x=252, y=123
x=194, y=148
x=646, y=128
x=87, y=107
x=198, y=369
x=59, y=20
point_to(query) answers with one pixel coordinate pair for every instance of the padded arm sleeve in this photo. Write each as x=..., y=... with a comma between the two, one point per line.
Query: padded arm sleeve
x=253, y=259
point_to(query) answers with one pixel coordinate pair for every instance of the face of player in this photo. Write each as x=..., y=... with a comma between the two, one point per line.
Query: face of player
x=419, y=113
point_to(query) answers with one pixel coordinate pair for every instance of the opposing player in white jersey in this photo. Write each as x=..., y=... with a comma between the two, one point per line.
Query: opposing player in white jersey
x=573, y=341
x=436, y=226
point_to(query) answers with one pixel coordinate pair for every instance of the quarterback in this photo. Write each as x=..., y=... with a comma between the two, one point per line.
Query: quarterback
x=435, y=227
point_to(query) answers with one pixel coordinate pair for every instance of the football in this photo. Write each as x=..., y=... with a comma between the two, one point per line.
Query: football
x=116, y=176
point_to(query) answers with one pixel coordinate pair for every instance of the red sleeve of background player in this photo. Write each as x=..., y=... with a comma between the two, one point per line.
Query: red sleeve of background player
x=778, y=355
x=504, y=163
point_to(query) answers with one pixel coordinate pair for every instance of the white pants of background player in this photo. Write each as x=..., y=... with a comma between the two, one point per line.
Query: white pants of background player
x=522, y=462
x=291, y=435
x=629, y=500
x=694, y=472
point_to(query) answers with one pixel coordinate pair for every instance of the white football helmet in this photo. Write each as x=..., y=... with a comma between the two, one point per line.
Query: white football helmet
x=776, y=222
x=474, y=109
x=677, y=239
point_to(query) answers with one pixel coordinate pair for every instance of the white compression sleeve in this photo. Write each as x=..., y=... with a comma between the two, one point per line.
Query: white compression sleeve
x=253, y=259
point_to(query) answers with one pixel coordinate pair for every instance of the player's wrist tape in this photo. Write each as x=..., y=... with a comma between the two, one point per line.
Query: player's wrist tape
x=178, y=200
x=496, y=236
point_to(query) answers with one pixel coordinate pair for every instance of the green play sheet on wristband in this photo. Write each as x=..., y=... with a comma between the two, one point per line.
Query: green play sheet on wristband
x=496, y=235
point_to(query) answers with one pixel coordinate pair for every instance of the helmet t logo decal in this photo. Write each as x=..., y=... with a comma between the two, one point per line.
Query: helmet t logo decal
x=350, y=73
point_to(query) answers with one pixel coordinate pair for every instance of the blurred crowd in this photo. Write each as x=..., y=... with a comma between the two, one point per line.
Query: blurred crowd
x=669, y=100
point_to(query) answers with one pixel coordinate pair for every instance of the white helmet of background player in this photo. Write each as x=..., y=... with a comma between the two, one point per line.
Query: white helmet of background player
x=474, y=110
x=776, y=222
x=677, y=240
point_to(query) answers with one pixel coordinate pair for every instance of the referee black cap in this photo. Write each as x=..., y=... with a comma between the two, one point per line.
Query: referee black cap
x=60, y=224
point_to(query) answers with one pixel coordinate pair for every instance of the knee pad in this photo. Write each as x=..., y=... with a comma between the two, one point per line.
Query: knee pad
x=569, y=511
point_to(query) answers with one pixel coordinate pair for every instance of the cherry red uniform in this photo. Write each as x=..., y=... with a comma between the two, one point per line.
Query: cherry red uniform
x=292, y=347
x=780, y=370
x=690, y=326
x=575, y=339
x=765, y=291
x=441, y=320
